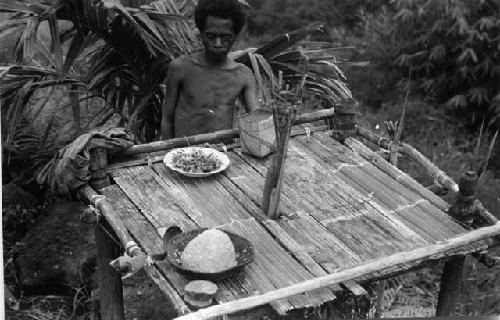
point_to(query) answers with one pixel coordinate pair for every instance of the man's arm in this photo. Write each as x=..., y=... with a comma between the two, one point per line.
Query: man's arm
x=249, y=93
x=173, y=81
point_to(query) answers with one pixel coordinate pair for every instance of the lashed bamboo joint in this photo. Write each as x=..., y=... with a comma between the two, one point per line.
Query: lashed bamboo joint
x=341, y=207
x=97, y=167
x=433, y=171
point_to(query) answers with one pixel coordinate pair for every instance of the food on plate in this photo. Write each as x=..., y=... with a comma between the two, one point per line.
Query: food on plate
x=209, y=252
x=200, y=293
x=201, y=289
x=196, y=161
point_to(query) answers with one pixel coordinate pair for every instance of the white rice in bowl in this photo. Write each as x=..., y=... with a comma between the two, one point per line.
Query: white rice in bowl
x=209, y=252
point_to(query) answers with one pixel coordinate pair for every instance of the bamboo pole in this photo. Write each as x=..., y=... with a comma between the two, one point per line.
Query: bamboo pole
x=105, y=210
x=432, y=169
x=414, y=154
x=137, y=162
x=398, y=175
x=352, y=273
x=182, y=142
x=110, y=284
x=484, y=213
x=393, y=159
x=449, y=289
x=314, y=116
x=117, y=227
x=102, y=204
x=216, y=136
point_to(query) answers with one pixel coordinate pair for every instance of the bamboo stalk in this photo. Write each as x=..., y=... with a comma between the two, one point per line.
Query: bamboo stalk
x=484, y=213
x=414, y=154
x=216, y=136
x=182, y=142
x=314, y=116
x=432, y=169
x=350, y=274
x=125, y=240
x=137, y=162
x=104, y=207
x=110, y=284
x=450, y=284
x=396, y=173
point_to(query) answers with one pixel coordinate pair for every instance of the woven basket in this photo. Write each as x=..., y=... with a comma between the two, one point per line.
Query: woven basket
x=257, y=134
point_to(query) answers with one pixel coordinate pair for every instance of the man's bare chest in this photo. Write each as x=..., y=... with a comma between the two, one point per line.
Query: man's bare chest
x=201, y=85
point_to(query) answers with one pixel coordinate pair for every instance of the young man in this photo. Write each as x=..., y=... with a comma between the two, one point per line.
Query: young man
x=202, y=87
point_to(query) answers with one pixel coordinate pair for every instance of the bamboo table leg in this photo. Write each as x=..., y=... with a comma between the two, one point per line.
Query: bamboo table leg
x=110, y=283
x=449, y=290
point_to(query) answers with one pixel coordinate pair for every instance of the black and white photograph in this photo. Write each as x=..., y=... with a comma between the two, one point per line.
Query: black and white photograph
x=250, y=159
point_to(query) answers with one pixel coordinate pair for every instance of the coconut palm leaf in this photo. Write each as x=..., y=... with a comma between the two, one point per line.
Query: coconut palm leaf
x=133, y=43
x=17, y=85
x=122, y=54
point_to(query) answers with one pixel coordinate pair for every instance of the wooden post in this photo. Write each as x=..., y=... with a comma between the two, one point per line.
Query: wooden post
x=343, y=124
x=463, y=209
x=283, y=120
x=451, y=279
x=449, y=290
x=110, y=283
x=471, y=212
x=393, y=159
x=98, y=165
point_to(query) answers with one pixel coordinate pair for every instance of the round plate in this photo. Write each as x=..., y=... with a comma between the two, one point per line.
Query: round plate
x=243, y=249
x=207, y=151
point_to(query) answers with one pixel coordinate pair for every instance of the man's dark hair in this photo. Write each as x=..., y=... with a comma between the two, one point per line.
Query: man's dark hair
x=226, y=9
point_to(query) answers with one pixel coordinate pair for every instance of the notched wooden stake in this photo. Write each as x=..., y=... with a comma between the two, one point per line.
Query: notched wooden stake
x=283, y=121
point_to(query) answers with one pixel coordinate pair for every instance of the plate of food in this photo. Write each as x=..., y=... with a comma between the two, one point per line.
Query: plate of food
x=196, y=161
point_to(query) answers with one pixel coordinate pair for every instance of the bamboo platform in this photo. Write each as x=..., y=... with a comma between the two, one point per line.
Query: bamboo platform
x=341, y=206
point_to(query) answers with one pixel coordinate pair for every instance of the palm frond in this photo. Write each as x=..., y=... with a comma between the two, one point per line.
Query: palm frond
x=312, y=69
x=15, y=6
x=126, y=68
x=17, y=85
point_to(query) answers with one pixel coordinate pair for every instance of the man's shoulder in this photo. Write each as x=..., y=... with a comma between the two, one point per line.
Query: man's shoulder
x=241, y=66
x=181, y=62
x=196, y=59
x=245, y=71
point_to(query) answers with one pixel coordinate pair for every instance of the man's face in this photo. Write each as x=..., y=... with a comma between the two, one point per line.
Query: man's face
x=218, y=37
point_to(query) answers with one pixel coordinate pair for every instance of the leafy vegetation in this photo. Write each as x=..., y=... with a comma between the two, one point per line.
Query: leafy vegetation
x=120, y=55
x=272, y=17
x=116, y=57
x=451, y=49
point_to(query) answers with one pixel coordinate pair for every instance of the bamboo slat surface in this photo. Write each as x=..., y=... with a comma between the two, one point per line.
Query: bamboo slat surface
x=207, y=203
x=341, y=205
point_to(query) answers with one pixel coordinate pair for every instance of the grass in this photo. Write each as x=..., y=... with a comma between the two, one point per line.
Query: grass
x=46, y=308
x=448, y=145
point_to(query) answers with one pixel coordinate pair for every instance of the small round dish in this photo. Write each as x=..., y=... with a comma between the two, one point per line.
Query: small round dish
x=243, y=249
x=173, y=155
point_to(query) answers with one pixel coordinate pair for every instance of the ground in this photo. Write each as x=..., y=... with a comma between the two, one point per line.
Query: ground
x=143, y=299
x=415, y=294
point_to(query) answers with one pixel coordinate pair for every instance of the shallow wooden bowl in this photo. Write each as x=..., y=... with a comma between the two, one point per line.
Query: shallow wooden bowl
x=243, y=249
